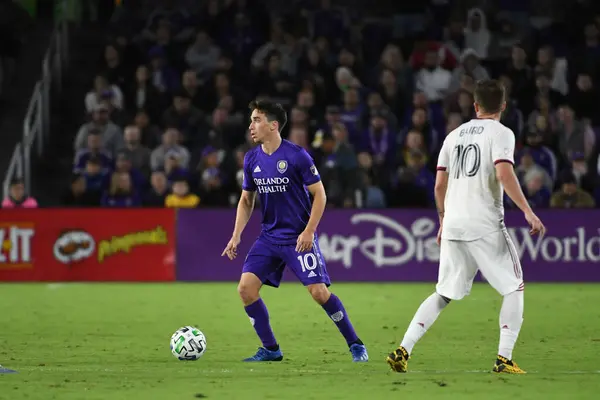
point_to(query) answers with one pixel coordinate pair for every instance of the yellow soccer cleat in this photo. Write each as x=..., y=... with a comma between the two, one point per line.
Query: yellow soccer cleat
x=398, y=360
x=506, y=366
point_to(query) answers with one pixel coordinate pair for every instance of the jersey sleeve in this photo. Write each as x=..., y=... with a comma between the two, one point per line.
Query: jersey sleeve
x=306, y=166
x=503, y=147
x=248, y=183
x=444, y=157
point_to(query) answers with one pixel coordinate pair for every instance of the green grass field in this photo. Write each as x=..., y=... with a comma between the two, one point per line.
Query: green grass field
x=105, y=341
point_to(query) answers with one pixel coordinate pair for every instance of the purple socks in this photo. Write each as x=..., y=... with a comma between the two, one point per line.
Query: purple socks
x=259, y=316
x=336, y=311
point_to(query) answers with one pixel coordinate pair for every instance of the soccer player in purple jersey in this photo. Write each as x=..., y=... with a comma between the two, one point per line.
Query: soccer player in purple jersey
x=283, y=174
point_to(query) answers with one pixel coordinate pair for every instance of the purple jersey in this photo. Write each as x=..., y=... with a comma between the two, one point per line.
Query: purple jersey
x=280, y=179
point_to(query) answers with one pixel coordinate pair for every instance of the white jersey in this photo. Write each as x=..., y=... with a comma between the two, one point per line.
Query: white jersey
x=473, y=206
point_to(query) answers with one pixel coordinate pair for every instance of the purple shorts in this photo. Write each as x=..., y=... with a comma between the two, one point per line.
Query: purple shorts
x=267, y=261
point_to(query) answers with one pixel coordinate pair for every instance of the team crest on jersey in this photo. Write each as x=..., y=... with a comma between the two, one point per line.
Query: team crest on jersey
x=314, y=171
x=282, y=166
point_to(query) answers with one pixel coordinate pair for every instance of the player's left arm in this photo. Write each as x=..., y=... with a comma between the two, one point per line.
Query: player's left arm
x=312, y=181
x=317, y=190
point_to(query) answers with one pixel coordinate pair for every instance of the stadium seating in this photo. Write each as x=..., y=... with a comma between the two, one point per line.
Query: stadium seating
x=371, y=97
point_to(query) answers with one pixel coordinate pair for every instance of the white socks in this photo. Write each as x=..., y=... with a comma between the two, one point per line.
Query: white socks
x=511, y=319
x=426, y=315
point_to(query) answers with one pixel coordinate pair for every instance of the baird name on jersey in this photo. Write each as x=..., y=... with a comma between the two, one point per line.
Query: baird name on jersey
x=473, y=130
x=272, y=185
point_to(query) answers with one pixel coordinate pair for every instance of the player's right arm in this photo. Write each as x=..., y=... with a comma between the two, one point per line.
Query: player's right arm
x=244, y=211
x=441, y=185
x=441, y=179
x=503, y=150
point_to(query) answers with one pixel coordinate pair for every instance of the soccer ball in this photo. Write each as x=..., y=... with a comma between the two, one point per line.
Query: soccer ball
x=188, y=344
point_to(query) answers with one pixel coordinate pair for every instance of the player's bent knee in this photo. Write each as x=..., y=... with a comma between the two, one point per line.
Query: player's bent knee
x=446, y=299
x=249, y=288
x=248, y=294
x=319, y=292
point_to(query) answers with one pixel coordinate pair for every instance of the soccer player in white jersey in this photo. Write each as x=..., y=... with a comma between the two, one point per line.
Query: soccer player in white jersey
x=475, y=167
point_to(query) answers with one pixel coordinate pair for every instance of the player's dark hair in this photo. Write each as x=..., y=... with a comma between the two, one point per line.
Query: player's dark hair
x=273, y=111
x=490, y=95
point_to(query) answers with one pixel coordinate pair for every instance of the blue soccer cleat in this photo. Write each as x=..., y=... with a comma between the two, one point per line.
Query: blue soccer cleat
x=359, y=353
x=266, y=355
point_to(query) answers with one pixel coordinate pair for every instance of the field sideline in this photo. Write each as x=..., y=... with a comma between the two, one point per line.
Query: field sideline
x=111, y=341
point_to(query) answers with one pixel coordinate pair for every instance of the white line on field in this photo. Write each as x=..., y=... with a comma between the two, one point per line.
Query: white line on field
x=489, y=372
x=482, y=371
x=303, y=371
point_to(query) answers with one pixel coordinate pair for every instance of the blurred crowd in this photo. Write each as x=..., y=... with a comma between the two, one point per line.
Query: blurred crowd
x=370, y=94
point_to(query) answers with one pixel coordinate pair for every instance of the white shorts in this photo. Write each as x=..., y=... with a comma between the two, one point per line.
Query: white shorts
x=494, y=255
